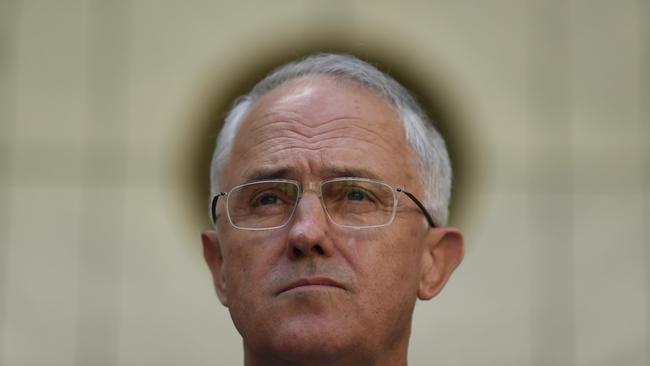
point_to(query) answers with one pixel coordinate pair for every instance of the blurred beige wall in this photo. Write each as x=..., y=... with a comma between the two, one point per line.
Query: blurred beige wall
x=99, y=234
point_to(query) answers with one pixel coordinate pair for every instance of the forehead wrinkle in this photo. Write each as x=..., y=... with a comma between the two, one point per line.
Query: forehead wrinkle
x=278, y=144
x=324, y=130
x=276, y=122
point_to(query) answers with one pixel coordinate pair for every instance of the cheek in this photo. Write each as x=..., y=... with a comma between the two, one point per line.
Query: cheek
x=382, y=258
x=246, y=268
x=236, y=272
x=387, y=267
x=247, y=262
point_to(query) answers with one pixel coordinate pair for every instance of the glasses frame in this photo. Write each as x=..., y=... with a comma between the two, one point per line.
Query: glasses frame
x=394, y=190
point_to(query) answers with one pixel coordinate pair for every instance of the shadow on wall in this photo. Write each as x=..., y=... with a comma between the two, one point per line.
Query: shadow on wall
x=246, y=67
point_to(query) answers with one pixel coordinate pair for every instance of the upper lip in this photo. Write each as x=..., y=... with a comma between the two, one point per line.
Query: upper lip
x=312, y=281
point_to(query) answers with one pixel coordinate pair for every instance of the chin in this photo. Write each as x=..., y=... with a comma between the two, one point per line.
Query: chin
x=312, y=339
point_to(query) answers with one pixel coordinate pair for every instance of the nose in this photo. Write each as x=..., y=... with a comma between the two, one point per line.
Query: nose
x=308, y=233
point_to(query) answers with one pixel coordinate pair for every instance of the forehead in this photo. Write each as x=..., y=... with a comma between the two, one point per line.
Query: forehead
x=319, y=127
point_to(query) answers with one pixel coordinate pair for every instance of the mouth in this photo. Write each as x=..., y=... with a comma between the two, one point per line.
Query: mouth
x=312, y=283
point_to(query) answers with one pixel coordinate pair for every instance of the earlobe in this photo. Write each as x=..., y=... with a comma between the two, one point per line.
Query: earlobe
x=444, y=250
x=214, y=259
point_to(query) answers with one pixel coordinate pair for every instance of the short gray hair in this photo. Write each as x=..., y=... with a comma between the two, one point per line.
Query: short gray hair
x=433, y=159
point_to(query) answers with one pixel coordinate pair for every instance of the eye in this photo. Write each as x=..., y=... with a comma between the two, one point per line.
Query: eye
x=355, y=195
x=266, y=199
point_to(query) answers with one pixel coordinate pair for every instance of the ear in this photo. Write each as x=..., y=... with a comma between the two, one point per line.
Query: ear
x=443, y=252
x=214, y=259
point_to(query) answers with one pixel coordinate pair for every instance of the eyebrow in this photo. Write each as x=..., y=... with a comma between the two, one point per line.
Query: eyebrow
x=337, y=172
x=268, y=173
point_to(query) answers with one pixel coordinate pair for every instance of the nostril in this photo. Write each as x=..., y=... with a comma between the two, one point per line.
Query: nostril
x=318, y=249
x=297, y=253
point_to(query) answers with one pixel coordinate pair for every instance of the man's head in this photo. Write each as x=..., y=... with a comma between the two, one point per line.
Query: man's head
x=335, y=275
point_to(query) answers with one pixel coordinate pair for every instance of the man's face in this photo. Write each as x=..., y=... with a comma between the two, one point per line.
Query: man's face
x=313, y=288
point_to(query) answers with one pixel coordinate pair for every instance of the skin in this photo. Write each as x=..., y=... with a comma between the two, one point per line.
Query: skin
x=357, y=306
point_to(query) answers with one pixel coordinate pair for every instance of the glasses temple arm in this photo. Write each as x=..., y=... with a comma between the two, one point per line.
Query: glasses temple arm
x=213, y=206
x=420, y=205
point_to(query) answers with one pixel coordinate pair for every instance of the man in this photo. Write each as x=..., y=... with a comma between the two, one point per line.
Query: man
x=330, y=193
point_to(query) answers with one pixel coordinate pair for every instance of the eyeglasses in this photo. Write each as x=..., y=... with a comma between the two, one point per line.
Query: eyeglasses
x=348, y=202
